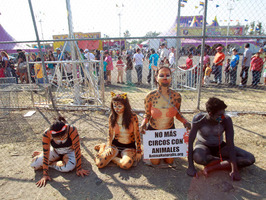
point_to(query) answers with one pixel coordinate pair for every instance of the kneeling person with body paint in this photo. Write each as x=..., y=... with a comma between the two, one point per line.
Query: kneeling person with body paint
x=123, y=145
x=61, y=151
x=210, y=149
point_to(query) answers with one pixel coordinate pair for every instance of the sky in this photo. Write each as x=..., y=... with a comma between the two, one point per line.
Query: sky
x=137, y=16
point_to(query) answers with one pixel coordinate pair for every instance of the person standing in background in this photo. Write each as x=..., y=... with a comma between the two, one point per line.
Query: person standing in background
x=51, y=66
x=172, y=57
x=129, y=68
x=245, y=65
x=189, y=65
x=138, y=58
x=164, y=54
x=256, y=68
x=227, y=71
x=153, y=60
x=6, y=64
x=218, y=62
x=109, y=67
x=233, y=67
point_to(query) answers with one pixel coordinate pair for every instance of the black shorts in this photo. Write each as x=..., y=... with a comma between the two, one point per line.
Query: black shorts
x=121, y=146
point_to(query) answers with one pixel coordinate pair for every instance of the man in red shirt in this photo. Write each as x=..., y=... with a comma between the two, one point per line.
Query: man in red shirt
x=189, y=65
x=218, y=62
x=256, y=68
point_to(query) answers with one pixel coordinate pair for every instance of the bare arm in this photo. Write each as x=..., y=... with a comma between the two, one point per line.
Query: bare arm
x=191, y=171
x=147, y=116
x=110, y=135
x=229, y=134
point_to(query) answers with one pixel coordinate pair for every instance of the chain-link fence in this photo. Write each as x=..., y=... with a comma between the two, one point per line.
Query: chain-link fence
x=233, y=54
x=69, y=55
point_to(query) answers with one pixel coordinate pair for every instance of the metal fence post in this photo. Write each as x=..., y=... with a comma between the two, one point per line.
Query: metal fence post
x=202, y=51
x=40, y=49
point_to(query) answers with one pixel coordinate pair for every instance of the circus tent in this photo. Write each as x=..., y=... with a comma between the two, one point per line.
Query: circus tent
x=214, y=22
x=12, y=47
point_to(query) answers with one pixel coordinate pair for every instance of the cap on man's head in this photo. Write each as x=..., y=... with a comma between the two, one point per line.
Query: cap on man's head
x=219, y=48
x=58, y=49
x=19, y=50
x=234, y=49
x=163, y=44
x=86, y=50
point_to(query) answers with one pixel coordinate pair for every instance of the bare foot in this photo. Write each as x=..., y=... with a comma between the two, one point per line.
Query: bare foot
x=36, y=153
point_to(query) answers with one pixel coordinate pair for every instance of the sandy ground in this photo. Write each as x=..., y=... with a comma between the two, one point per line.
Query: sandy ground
x=20, y=136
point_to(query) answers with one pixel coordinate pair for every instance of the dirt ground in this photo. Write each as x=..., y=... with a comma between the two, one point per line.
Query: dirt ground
x=20, y=136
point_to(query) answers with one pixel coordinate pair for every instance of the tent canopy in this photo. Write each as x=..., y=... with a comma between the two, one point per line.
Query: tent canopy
x=12, y=47
x=211, y=42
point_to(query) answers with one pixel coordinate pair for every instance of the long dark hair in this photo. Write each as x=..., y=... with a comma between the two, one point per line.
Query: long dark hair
x=126, y=115
x=58, y=124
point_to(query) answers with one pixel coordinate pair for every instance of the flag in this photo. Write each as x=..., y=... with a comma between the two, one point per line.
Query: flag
x=122, y=5
x=182, y=5
x=116, y=5
x=225, y=20
x=201, y=3
x=185, y=1
x=196, y=7
x=217, y=6
x=246, y=20
x=237, y=20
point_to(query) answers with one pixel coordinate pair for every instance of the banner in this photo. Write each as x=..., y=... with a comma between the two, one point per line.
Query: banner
x=86, y=44
x=170, y=143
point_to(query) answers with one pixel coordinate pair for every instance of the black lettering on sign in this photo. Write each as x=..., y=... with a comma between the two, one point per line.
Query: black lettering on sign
x=158, y=134
x=169, y=133
x=177, y=141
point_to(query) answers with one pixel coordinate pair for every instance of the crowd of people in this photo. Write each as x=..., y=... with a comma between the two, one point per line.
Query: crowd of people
x=249, y=63
x=61, y=145
x=134, y=59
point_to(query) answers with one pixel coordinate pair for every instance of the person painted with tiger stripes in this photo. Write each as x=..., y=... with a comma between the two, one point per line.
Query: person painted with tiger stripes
x=61, y=151
x=123, y=145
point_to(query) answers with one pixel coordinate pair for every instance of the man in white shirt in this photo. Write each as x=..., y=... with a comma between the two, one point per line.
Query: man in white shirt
x=163, y=53
x=172, y=57
x=138, y=58
x=245, y=65
x=89, y=55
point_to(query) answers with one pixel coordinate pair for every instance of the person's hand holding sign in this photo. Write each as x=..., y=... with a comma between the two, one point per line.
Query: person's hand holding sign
x=187, y=125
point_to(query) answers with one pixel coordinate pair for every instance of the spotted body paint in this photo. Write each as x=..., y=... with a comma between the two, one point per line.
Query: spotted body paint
x=159, y=112
x=109, y=152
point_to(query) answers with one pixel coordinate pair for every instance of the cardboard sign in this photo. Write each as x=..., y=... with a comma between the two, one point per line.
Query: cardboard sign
x=170, y=143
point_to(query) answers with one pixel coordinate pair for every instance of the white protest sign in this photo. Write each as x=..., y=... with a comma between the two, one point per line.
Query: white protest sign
x=168, y=143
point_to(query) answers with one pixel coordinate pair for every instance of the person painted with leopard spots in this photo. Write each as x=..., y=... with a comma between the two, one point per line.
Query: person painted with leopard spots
x=123, y=145
x=161, y=106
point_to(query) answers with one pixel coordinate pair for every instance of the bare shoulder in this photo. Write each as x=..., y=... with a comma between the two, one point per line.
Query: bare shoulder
x=151, y=95
x=175, y=93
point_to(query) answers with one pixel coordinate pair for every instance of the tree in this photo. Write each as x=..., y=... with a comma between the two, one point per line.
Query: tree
x=152, y=34
x=127, y=34
x=259, y=29
x=252, y=27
